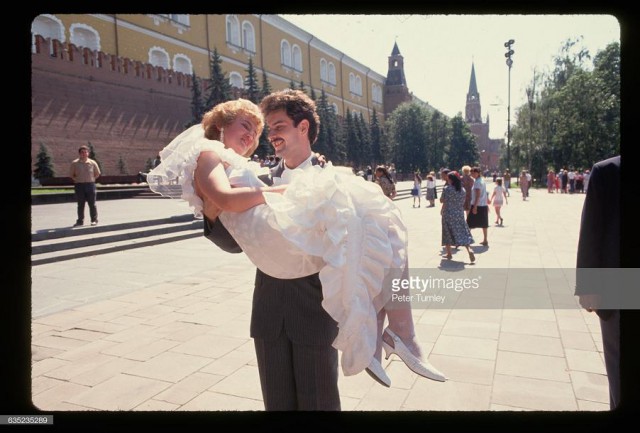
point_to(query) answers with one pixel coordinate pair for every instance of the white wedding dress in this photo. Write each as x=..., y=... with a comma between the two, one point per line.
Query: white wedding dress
x=328, y=220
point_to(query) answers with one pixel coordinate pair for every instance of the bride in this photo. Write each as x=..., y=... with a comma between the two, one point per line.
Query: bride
x=325, y=220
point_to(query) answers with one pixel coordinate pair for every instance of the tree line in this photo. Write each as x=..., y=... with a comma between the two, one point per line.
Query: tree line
x=572, y=117
x=571, y=120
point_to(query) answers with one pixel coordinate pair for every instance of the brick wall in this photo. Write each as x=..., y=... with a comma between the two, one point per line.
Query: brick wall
x=122, y=107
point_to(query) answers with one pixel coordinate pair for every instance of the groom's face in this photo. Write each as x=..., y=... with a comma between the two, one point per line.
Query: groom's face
x=285, y=138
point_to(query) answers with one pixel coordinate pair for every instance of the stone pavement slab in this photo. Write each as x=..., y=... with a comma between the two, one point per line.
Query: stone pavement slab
x=166, y=328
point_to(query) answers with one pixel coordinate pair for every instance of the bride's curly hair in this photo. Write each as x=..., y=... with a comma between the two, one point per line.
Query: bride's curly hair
x=225, y=113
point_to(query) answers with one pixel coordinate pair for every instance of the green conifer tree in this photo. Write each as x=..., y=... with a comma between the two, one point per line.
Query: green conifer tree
x=92, y=155
x=197, y=106
x=44, y=166
x=219, y=89
x=121, y=165
x=266, y=87
x=252, y=91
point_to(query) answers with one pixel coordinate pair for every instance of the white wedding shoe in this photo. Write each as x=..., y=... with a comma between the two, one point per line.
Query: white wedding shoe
x=376, y=371
x=423, y=368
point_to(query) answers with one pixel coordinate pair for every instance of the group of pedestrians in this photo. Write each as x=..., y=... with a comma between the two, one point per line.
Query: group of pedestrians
x=465, y=206
x=568, y=181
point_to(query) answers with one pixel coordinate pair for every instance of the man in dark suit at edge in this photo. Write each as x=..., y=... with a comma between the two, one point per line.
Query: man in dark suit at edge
x=599, y=247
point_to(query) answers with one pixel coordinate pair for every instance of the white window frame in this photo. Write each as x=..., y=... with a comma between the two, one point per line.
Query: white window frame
x=332, y=73
x=73, y=38
x=285, y=53
x=177, y=58
x=54, y=27
x=154, y=49
x=324, y=76
x=296, y=55
x=248, y=37
x=233, y=34
x=234, y=78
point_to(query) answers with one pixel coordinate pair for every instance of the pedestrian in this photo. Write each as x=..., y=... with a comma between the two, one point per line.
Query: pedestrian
x=599, y=247
x=478, y=217
x=431, y=190
x=467, y=184
x=392, y=172
x=551, y=181
x=417, y=186
x=84, y=171
x=383, y=178
x=455, y=230
x=524, y=184
x=498, y=197
x=507, y=181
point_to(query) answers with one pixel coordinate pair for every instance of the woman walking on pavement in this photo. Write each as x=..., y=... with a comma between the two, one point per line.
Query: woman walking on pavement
x=454, y=228
x=417, y=186
x=497, y=197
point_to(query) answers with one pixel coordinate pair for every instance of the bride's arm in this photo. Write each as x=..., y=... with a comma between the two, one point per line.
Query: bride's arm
x=213, y=183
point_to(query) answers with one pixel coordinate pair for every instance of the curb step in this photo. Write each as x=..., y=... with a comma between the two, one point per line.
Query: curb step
x=113, y=247
x=69, y=243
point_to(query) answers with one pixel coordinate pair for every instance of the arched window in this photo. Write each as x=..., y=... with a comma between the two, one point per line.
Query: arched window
x=83, y=35
x=182, y=63
x=285, y=53
x=297, y=58
x=376, y=93
x=180, y=18
x=332, y=73
x=47, y=26
x=324, y=76
x=233, y=30
x=159, y=57
x=236, y=80
x=358, y=85
x=248, y=37
x=352, y=82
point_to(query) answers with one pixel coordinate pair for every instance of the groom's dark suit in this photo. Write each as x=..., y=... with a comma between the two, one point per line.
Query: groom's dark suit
x=292, y=333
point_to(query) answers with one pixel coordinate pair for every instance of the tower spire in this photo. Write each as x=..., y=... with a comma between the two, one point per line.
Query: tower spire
x=473, y=112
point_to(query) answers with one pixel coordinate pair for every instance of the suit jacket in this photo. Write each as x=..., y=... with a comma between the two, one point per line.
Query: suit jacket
x=292, y=304
x=599, y=241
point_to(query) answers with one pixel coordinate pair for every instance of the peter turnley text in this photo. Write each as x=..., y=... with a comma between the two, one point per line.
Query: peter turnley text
x=417, y=298
x=430, y=283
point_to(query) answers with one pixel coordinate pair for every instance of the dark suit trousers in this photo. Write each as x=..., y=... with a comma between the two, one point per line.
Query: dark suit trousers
x=293, y=334
x=610, y=328
x=294, y=376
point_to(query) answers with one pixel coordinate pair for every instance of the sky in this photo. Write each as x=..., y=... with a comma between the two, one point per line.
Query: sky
x=438, y=52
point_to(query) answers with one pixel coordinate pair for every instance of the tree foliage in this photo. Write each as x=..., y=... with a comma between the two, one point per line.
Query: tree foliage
x=197, y=106
x=219, y=89
x=463, y=149
x=573, y=119
x=252, y=90
x=121, y=165
x=92, y=155
x=44, y=166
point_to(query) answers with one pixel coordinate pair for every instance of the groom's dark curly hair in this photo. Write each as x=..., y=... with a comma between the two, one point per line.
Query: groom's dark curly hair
x=298, y=106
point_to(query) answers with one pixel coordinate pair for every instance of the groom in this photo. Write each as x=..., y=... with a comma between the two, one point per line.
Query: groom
x=292, y=332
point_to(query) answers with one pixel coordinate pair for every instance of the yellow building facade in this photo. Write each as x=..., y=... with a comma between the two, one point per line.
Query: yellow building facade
x=185, y=43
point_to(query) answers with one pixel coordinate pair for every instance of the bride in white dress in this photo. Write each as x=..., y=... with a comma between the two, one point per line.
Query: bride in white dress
x=325, y=220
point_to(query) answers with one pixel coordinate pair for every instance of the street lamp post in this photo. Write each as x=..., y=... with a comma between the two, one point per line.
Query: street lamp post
x=530, y=94
x=508, y=55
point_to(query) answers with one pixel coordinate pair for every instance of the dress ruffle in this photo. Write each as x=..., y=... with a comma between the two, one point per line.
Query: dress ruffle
x=328, y=220
x=174, y=176
x=360, y=235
